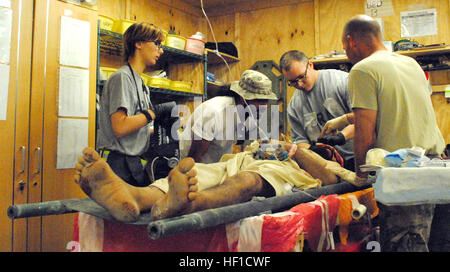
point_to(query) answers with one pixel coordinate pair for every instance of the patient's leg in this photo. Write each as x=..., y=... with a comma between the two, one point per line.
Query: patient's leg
x=239, y=188
x=183, y=196
x=123, y=201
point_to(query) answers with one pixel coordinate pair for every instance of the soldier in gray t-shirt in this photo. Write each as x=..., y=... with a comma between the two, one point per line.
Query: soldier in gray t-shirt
x=120, y=93
x=125, y=108
x=321, y=95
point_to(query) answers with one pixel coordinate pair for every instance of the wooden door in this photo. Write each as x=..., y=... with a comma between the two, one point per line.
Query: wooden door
x=14, y=131
x=48, y=182
x=28, y=132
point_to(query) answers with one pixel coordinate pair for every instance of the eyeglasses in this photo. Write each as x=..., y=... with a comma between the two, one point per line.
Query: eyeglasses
x=294, y=81
x=158, y=44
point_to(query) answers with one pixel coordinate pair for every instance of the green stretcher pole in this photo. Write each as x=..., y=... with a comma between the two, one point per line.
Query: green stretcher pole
x=213, y=217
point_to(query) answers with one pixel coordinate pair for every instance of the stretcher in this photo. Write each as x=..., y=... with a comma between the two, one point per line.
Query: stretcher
x=280, y=223
x=310, y=226
x=194, y=221
x=213, y=229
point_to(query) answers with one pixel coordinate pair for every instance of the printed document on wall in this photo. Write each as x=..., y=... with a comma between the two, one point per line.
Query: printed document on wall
x=5, y=34
x=4, y=86
x=73, y=92
x=74, y=43
x=72, y=139
x=418, y=23
x=5, y=3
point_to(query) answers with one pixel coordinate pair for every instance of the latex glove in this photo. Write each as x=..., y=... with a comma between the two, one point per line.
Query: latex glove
x=334, y=124
x=338, y=139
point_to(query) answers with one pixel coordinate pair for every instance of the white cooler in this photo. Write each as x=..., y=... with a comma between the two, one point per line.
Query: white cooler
x=412, y=186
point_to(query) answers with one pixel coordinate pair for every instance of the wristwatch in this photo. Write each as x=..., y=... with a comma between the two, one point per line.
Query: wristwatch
x=147, y=114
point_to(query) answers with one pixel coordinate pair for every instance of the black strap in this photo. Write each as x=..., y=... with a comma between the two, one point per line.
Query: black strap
x=147, y=115
x=150, y=105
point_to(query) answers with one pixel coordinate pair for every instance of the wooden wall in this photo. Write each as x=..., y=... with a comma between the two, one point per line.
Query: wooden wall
x=312, y=26
x=265, y=29
x=334, y=13
x=165, y=14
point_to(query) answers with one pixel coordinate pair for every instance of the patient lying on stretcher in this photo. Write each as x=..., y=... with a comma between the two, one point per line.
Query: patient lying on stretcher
x=192, y=187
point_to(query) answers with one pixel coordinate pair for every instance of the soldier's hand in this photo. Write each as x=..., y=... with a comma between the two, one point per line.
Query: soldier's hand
x=333, y=125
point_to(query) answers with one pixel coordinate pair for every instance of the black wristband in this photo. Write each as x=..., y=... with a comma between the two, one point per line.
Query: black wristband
x=147, y=114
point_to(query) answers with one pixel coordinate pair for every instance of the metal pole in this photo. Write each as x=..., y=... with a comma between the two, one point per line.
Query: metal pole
x=232, y=213
x=188, y=222
x=52, y=207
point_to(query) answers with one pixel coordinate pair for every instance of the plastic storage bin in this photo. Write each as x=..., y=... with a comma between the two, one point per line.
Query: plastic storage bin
x=165, y=36
x=182, y=86
x=145, y=79
x=175, y=41
x=108, y=71
x=105, y=22
x=120, y=26
x=156, y=82
x=195, y=44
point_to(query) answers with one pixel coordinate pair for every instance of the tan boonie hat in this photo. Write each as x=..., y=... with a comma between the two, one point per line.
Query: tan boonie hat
x=254, y=85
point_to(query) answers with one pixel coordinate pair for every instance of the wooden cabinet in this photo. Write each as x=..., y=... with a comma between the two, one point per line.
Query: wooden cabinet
x=29, y=133
x=14, y=148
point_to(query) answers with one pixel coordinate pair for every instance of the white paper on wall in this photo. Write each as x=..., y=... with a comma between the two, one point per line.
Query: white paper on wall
x=418, y=23
x=4, y=87
x=5, y=34
x=73, y=92
x=74, y=43
x=72, y=139
x=5, y=3
x=379, y=8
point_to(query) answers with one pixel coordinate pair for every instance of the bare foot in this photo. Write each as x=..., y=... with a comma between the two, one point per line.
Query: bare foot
x=182, y=190
x=102, y=185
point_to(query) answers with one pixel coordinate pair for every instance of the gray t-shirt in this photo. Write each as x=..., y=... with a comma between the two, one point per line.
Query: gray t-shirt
x=120, y=92
x=308, y=111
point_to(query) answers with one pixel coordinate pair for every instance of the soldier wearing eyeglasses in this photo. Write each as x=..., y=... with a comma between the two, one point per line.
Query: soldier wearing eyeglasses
x=126, y=112
x=320, y=96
